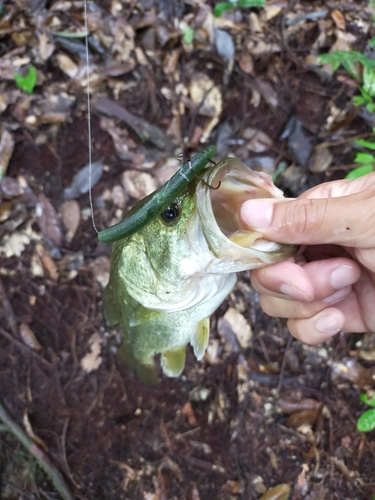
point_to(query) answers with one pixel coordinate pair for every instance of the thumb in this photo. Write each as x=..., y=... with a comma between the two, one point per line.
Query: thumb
x=329, y=213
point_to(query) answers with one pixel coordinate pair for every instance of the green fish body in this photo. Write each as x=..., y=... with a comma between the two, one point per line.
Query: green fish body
x=167, y=278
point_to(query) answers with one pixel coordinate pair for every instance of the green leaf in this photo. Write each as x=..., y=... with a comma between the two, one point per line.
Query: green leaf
x=364, y=158
x=371, y=42
x=188, y=34
x=69, y=34
x=251, y=3
x=358, y=100
x=360, y=171
x=365, y=143
x=27, y=83
x=366, y=421
x=221, y=7
x=364, y=399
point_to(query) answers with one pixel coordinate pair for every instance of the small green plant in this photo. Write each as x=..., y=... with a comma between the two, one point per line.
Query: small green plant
x=366, y=160
x=187, y=34
x=366, y=421
x=221, y=7
x=27, y=82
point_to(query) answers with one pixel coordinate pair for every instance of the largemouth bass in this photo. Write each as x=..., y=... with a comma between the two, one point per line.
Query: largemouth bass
x=168, y=277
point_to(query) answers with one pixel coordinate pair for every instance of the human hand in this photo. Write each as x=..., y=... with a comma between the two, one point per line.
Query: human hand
x=330, y=286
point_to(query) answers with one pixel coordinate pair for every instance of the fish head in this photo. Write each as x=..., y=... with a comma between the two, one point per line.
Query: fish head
x=220, y=194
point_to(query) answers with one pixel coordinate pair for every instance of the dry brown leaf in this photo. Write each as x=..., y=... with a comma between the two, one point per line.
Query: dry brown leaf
x=193, y=493
x=240, y=327
x=256, y=140
x=5, y=210
x=292, y=406
x=6, y=150
x=28, y=337
x=338, y=19
x=10, y=188
x=70, y=216
x=69, y=266
x=46, y=47
x=92, y=360
x=353, y=371
x=188, y=411
x=321, y=159
x=246, y=63
x=303, y=417
x=268, y=93
x=48, y=221
x=302, y=485
x=49, y=266
x=138, y=184
x=67, y=65
x=208, y=100
x=279, y=492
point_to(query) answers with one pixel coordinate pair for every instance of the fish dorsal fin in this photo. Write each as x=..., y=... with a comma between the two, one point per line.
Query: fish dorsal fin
x=200, y=338
x=173, y=362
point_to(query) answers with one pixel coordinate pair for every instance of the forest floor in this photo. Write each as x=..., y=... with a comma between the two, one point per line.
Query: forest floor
x=263, y=418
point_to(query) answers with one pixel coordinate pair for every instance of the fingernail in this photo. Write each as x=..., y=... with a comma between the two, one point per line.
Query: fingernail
x=337, y=296
x=256, y=213
x=329, y=323
x=344, y=276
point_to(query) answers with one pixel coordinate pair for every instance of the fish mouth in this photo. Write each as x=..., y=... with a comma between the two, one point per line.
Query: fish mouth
x=220, y=195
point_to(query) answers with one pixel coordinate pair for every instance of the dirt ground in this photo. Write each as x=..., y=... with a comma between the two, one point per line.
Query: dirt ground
x=262, y=418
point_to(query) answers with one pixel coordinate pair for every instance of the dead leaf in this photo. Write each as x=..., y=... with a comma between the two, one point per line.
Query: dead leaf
x=303, y=417
x=350, y=369
x=70, y=216
x=48, y=221
x=301, y=485
x=81, y=181
x=138, y=184
x=28, y=337
x=6, y=150
x=10, y=188
x=338, y=19
x=49, y=266
x=188, y=411
x=69, y=266
x=15, y=243
x=5, y=210
x=256, y=140
x=291, y=406
x=279, y=492
x=268, y=93
x=321, y=159
x=208, y=100
x=92, y=360
x=246, y=63
x=240, y=327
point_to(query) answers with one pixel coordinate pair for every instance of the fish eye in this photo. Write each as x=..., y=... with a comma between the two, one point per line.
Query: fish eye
x=170, y=214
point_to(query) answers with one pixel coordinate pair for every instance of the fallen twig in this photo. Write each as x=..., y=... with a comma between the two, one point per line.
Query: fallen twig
x=42, y=459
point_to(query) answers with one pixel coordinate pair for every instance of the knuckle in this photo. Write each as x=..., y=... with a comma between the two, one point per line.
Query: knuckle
x=305, y=214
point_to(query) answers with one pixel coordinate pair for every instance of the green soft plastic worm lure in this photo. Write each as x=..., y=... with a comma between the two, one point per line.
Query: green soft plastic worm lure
x=154, y=204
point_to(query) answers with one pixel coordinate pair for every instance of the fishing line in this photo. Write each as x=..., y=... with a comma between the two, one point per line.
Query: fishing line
x=89, y=115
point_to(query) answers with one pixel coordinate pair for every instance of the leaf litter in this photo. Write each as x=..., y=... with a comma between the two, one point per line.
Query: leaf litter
x=260, y=416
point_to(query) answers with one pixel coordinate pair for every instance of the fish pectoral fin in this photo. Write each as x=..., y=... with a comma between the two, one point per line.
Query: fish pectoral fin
x=200, y=338
x=173, y=362
x=142, y=315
